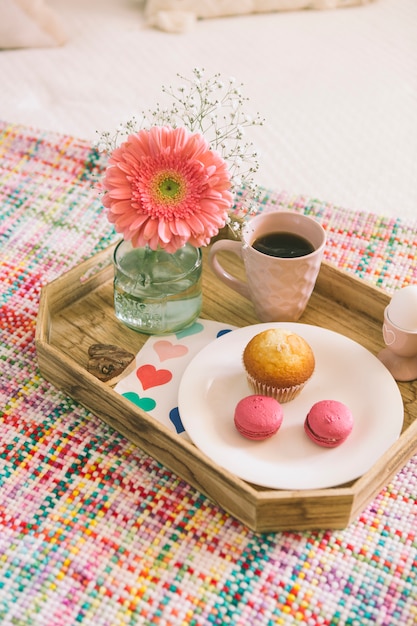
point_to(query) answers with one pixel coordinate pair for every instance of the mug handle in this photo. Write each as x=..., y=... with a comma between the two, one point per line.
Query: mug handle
x=236, y=248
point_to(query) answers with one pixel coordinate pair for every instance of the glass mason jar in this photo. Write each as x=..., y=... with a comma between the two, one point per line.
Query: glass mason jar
x=157, y=292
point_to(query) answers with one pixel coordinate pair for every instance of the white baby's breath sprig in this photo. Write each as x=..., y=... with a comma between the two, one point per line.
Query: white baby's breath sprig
x=215, y=108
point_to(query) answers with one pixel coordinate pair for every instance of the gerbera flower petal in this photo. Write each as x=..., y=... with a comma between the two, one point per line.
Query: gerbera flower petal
x=164, y=231
x=181, y=227
x=150, y=229
x=196, y=224
x=122, y=206
x=139, y=222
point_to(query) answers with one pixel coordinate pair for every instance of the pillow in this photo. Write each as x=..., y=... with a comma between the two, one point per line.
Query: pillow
x=179, y=15
x=29, y=24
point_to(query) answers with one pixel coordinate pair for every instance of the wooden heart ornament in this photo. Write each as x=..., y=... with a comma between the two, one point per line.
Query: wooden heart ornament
x=109, y=363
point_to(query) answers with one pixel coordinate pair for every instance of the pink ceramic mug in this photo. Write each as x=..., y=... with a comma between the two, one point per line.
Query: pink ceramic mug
x=279, y=288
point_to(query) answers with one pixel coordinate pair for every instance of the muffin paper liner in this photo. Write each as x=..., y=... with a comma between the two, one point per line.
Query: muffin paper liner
x=282, y=394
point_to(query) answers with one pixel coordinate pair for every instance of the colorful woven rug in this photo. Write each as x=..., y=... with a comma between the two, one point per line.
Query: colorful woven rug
x=92, y=530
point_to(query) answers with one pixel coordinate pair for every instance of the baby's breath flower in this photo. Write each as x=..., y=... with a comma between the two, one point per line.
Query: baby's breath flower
x=214, y=108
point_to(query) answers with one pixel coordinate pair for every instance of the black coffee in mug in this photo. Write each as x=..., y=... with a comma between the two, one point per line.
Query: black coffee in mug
x=284, y=245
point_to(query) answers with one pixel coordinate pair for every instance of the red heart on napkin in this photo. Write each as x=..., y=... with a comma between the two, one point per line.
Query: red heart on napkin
x=149, y=376
x=167, y=350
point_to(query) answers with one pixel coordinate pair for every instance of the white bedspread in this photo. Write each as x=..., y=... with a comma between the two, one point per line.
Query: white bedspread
x=338, y=89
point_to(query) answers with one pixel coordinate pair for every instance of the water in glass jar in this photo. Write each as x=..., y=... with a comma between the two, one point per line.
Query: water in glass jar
x=156, y=292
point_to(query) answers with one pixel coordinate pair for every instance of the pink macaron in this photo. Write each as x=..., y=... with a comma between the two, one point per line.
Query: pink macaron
x=328, y=423
x=258, y=417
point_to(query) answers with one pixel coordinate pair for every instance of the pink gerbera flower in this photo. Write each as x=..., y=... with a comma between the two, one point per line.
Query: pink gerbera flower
x=166, y=187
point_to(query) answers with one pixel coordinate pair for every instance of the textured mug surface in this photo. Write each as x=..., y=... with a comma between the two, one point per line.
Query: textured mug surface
x=279, y=288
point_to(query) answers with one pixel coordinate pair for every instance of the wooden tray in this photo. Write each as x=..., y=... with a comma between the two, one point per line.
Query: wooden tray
x=76, y=310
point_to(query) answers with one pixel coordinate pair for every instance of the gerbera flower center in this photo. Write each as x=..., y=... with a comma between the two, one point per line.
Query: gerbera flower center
x=169, y=187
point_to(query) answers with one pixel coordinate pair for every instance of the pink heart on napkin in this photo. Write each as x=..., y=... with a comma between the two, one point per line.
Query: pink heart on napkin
x=149, y=376
x=167, y=350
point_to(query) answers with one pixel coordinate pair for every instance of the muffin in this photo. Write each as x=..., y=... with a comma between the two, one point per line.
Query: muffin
x=328, y=423
x=278, y=363
x=258, y=417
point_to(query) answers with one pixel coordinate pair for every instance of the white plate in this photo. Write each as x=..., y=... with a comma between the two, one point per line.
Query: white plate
x=215, y=381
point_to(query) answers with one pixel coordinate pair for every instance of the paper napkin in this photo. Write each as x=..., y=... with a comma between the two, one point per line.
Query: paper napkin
x=160, y=364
